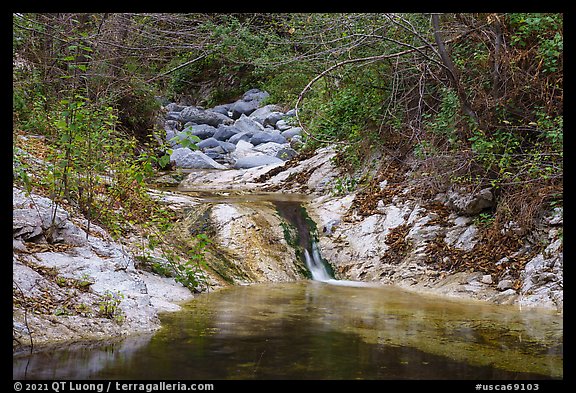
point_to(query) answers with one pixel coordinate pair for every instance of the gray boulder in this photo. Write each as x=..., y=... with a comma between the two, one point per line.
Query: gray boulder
x=269, y=148
x=466, y=203
x=248, y=125
x=241, y=136
x=289, y=133
x=282, y=125
x=202, y=116
x=40, y=219
x=249, y=103
x=173, y=116
x=217, y=155
x=286, y=153
x=208, y=143
x=223, y=133
x=172, y=125
x=202, y=131
x=296, y=142
x=174, y=107
x=186, y=158
x=262, y=114
x=274, y=118
x=255, y=95
x=264, y=137
x=170, y=134
x=227, y=147
x=241, y=107
x=256, y=161
x=222, y=109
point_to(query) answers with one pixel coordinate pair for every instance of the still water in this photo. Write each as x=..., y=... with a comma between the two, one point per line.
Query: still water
x=318, y=330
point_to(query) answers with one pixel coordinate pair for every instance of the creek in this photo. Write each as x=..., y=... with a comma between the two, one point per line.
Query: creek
x=314, y=329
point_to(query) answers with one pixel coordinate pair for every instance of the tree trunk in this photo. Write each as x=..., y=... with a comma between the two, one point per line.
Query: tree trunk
x=452, y=72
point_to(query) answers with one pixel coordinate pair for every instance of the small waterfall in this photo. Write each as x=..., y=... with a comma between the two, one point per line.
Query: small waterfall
x=295, y=214
x=320, y=270
x=316, y=265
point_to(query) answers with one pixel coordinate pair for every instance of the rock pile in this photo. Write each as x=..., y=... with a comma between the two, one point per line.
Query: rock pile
x=240, y=135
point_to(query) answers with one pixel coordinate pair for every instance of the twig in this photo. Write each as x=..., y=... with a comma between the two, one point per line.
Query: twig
x=180, y=66
x=351, y=61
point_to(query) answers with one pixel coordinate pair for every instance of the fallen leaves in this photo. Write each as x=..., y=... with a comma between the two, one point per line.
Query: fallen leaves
x=366, y=200
x=495, y=255
x=398, y=245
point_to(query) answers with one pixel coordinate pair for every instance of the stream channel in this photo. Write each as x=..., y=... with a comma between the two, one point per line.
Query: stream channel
x=320, y=328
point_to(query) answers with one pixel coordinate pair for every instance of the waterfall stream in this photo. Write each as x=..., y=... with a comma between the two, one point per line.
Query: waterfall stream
x=320, y=270
x=315, y=264
x=295, y=214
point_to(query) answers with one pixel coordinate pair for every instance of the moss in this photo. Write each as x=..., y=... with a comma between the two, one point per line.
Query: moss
x=300, y=232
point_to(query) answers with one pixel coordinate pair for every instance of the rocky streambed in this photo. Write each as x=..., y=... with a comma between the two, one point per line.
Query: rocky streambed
x=89, y=287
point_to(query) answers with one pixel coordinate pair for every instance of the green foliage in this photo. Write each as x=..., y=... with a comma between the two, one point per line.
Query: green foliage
x=342, y=114
x=542, y=31
x=186, y=139
x=484, y=219
x=191, y=273
x=109, y=306
x=444, y=123
x=285, y=85
x=188, y=271
x=424, y=149
x=344, y=185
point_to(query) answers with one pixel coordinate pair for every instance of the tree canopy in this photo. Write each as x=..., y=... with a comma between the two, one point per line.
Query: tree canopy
x=476, y=97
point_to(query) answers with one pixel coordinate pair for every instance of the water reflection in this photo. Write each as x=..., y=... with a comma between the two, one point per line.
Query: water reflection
x=314, y=330
x=77, y=360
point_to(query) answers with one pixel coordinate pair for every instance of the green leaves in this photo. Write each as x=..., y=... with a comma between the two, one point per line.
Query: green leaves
x=186, y=139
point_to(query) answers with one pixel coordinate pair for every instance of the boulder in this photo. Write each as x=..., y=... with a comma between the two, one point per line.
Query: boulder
x=223, y=133
x=262, y=114
x=172, y=125
x=208, y=143
x=249, y=102
x=282, y=125
x=42, y=219
x=174, y=107
x=202, y=131
x=273, y=118
x=256, y=161
x=217, y=155
x=227, y=147
x=173, y=116
x=186, y=158
x=269, y=148
x=291, y=132
x=241, y=107
x=241, y=136
x=222, y=109
x=286, y=153
x=248, y=125
x=466, y=203
x=202, y=116
x=170, y=134
x=264, y=137
x=255, y=95
x=296, y=142
x=244, y=149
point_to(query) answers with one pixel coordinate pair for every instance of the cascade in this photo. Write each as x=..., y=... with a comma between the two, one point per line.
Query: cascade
x=295, y=214
x=315, y=264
